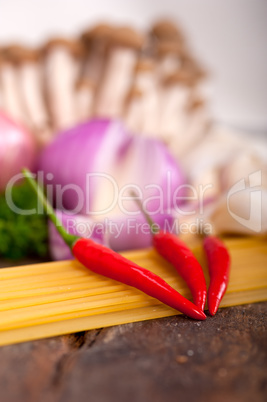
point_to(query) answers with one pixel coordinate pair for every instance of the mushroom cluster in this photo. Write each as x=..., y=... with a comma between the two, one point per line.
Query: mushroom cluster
x=149, y=80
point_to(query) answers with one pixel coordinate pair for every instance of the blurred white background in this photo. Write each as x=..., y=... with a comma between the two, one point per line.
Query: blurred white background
x=229, y=36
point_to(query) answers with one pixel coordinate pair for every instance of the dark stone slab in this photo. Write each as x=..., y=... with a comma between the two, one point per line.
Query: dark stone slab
x=223, y=359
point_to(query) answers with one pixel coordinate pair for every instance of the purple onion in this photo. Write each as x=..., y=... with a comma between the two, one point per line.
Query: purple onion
x=83, y=149
x=134, y=233
x=17, y=149
x=105, y=147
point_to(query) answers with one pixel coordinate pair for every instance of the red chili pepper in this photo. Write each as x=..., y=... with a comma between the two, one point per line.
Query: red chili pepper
x=181, y=257
x=219, y=269
x=107, y=262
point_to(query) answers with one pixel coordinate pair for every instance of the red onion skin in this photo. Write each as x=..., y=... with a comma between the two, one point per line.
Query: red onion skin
x=98, y=146
x=69, y=157
x=129, y=237
x=17, y=149
x=155, y=165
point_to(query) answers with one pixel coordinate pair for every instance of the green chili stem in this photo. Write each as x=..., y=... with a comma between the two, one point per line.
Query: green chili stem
x=150, y=221
x=69, y=239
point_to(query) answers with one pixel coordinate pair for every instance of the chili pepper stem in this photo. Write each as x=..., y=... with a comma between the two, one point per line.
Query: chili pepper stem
x=149, y=220
x=69, y=239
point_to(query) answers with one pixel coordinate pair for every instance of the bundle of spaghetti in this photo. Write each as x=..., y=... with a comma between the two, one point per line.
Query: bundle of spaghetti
x=56, y=298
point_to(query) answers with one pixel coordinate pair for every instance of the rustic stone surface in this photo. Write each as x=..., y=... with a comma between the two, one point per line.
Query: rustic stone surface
x=173, y=359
